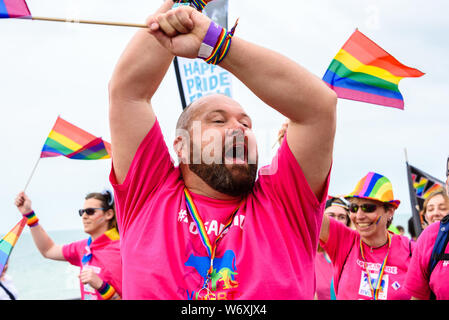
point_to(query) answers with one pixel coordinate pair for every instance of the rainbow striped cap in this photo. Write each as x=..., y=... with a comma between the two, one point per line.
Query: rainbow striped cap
x=375, y=186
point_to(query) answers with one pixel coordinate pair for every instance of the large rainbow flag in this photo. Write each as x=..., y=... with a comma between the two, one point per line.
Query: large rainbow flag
x=363, y=71
x=9, y=241
x=14, y=9
x=72, y=142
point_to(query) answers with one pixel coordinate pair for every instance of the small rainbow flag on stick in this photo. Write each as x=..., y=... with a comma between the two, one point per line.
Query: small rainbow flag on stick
x=363, y=71
x=69, y=141
x=14, y=9
x=9, y=241
x=72, y=142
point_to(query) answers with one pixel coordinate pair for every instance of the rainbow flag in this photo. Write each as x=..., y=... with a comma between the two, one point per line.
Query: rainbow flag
x=423, y=184
x=14, y=9
x=363, y=71
x=9, y=241
x=72, y=142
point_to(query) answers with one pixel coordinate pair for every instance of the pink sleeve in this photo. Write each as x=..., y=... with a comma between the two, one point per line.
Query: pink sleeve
x=151, y=164
x=111, y=263
x=417, y=279
x=284, y=181
x=73, y=252
x=339, y=244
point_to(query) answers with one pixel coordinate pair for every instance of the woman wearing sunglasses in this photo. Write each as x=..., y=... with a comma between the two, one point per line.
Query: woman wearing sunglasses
x=370, y=263
x=98, y=256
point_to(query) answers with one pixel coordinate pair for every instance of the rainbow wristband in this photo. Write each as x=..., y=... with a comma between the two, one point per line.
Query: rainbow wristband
x=32, y=219
x=106, y=291
x=216, y=43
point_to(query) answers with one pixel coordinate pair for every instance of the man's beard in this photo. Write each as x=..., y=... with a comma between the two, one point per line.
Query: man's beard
x=231, y=179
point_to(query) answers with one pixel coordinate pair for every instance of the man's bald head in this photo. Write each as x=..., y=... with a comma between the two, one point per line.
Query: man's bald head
x=193, y=110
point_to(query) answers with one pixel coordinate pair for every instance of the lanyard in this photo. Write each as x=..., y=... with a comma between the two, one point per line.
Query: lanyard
x=88, y=255
x=210, y=248
x=375, y=290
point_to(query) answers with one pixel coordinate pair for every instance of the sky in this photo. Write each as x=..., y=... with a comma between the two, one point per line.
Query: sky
x=50, y=69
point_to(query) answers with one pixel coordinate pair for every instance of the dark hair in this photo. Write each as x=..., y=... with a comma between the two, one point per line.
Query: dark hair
x=411, y=228
x=341, y=202
x=107, y=202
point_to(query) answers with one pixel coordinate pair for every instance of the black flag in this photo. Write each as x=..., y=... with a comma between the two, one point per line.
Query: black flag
x=421, y=185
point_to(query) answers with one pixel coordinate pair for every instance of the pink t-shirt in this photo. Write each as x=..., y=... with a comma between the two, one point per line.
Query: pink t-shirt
x=417, y=281
x=350, y=277
x=105, y=261
x=268, y=252
x=323, y=273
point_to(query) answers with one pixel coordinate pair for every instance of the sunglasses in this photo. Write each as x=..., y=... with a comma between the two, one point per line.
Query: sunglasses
x=366, y=207
x=89, y=211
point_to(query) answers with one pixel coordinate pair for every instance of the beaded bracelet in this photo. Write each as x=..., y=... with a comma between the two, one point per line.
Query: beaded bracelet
x=106, y=291
x=216, y=43
x=32, y=219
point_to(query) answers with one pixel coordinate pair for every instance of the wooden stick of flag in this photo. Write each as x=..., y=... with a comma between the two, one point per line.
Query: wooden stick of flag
x=19, y=9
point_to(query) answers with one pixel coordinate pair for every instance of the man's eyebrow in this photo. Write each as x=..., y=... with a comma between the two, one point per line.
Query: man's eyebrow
x=222, y=111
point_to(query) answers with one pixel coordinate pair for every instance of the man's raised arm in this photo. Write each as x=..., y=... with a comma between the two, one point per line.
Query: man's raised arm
x=136, y=78
x=279, y=82
x=297, y=94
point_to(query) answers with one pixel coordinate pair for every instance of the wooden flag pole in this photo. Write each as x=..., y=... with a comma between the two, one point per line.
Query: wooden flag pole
x=107, y=23
x=32, y=173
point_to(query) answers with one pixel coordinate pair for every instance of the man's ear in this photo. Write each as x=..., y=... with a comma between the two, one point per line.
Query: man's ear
x=179, y=147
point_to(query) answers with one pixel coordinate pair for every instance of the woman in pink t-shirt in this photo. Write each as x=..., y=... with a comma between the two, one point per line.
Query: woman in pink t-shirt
x=98, y=257
x=436, y=206
x=420, y=282
x=370, y=263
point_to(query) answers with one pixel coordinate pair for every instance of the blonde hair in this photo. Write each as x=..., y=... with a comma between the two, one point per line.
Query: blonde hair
x=439, y=191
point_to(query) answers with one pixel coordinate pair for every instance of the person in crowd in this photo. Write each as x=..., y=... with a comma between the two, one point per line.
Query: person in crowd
x=208, y=229
x=435, y=207
x=411, y=229
x=338, y=209
x=428, y=273
x=370, y=263
x=98, y=256
x=447, y=177
x=8, y=290
x=401, y=230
